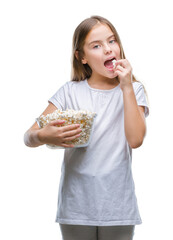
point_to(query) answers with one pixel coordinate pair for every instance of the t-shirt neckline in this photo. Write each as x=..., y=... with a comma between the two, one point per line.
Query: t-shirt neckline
x=101, y=90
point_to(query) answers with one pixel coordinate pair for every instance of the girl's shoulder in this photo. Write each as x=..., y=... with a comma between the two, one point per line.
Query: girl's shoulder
x=137, y=86
x=67, y=85
x=71, y=84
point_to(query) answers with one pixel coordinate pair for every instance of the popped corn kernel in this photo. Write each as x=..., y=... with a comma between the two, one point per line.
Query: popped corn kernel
x=84, y=118
x=114, y=61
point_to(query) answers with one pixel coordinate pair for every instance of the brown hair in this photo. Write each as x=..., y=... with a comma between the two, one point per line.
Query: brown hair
x=82, y=71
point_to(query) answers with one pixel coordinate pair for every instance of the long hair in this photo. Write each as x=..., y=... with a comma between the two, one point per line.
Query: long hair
x=82, y=71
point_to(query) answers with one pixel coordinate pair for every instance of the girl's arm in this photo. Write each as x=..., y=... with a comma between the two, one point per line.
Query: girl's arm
x=51, y=134
x=31, y=137
x=134, y=120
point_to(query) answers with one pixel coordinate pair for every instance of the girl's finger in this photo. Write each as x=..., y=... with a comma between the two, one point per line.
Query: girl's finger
x=57, y=122
x=124, y=63
x=119, y=73
x=123, y=70
x=67, y=145
x=71, y=133
x=71, y=138
x=120, y=68
x=70, y=127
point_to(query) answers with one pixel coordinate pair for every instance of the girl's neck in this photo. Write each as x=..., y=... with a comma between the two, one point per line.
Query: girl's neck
x=103, y=83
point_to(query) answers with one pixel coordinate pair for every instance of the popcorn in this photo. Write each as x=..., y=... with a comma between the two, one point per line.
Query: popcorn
x=114, y=61
x=83, y=117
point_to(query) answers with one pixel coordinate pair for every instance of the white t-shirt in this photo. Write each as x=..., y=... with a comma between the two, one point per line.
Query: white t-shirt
x=96, y=186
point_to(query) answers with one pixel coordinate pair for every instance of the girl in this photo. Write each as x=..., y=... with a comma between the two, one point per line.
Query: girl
x=96, y=193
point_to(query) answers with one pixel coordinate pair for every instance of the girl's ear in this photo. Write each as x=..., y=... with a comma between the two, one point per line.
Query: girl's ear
x=77, y=55
x=84, y=61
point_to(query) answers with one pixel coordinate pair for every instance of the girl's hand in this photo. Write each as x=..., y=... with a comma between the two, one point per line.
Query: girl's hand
x=51, y=134
x=123, y=70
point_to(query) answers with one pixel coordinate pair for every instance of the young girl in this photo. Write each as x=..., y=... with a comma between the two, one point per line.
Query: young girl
x=96, y=194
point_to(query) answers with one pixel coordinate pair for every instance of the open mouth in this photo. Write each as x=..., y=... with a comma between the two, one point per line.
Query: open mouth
x=109, y=64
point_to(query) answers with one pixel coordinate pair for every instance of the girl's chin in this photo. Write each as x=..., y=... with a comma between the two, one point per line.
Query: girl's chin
x=112, y=73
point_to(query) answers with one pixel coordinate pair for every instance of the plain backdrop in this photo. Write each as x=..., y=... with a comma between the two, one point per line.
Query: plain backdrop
x=35, y=60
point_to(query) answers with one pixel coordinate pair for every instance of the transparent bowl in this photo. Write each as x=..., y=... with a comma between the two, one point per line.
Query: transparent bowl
x=82, y=117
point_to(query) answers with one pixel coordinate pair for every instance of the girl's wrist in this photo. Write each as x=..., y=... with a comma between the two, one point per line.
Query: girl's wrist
x=39, y=137
x=31, y=138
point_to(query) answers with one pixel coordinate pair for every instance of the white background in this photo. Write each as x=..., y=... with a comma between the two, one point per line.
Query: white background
x=35, y=53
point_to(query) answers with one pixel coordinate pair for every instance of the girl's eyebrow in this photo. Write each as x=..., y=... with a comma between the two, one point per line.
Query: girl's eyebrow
x=96, y=41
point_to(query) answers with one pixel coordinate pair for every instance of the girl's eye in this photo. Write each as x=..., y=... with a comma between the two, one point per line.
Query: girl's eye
x=96, y=46
x=112, y=41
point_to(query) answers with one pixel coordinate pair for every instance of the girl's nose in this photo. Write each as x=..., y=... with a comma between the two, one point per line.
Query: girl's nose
x=107, y=49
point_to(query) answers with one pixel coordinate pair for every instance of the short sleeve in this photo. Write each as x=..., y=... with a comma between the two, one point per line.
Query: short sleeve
x=58, y=99
x=141, y=97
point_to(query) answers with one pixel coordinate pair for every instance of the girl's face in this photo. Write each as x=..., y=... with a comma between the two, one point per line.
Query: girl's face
x=100, y=49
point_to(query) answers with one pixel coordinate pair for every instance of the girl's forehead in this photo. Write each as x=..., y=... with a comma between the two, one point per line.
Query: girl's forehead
x=98, y=32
